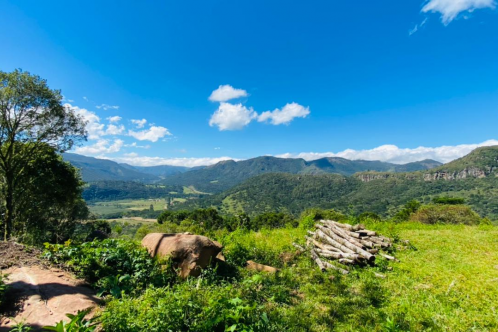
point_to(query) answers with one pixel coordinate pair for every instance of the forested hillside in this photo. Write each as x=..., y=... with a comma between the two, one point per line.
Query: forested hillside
x=382, y=193
x=226, y=174
x=94, y=169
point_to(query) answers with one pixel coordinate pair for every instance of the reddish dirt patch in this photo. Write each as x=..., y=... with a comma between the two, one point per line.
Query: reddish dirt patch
x=38, y=294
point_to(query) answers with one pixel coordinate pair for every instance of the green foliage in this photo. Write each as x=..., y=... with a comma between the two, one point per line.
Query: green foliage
x=21, y=327
x=48, y=199
x=446, y=214
x=77, y=323
x=227, y=174
x=120, y=190
x=32, y=121
x=3, y=288
x=371, y=216
x=190, y=306
x=380, y=193
x=448, y=200
x=409, y=208
x=112, y=266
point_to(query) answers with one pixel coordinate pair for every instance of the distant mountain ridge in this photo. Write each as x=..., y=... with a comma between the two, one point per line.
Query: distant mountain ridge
x=226, y=174
x=473, y=177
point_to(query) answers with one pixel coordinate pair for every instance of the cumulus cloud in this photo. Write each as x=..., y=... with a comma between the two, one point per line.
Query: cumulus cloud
x=139, y=123
x=106, y=107
x=152, y=134
x=232, y=117
x=114, y=118
x=449, y=9
x=93, y=126
x=284, y=115
x=136, y=160
x=396, y=155
x=114, y=130
x=102, y=146
x=225, y=93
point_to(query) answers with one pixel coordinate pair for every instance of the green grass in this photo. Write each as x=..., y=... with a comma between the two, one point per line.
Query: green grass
x=103, y=208
x=448, y=282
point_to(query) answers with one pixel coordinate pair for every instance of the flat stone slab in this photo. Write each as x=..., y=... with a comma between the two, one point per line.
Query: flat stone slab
x=39, y=296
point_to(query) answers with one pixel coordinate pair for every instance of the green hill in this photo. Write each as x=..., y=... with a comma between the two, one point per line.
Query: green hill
x=382, y=193
x=227, y=174
x=94, y=169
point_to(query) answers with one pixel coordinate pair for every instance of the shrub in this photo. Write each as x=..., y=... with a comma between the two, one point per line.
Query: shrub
x=407, y=210
x=446, y=214
x=189, y=306
x=369, y=216
x=113, y=266
x=448, y=200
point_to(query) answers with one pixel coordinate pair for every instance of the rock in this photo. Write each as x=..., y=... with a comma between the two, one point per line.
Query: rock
x=251, y=265
x=189, y=253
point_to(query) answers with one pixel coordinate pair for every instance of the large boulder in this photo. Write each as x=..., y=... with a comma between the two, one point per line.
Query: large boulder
x=190, y=253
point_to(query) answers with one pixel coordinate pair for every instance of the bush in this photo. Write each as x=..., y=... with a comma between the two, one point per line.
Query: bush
x=112, y=266
x=189, y=306
x=446, y=214
x=448, y=200
x=409, y=208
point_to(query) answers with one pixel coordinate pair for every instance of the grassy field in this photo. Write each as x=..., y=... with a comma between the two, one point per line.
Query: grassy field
x=447, y=280
x=108, y=207
x=449, y=283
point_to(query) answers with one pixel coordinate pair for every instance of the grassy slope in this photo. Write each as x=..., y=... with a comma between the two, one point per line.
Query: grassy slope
x=451, y=281
x=448, y=283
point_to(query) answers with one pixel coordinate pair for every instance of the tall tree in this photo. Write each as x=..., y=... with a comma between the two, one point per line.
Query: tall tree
x=31, y=115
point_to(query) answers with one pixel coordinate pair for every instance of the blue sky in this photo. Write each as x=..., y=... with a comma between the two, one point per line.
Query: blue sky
x=390, y=80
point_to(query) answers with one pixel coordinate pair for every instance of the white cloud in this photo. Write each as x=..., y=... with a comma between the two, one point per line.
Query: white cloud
x=393, y=154
x=417, y=26
x=285, y=115
x=152, y=134
x=136, y=160
x=106, y=107
x=135, y=145
x=226, y=92
x=114, y=118
x=85, y=98
x=93, y=126
x=102, y=146
x=232, y=117
x=114, y=130
x=139, y=123
x=449, y=9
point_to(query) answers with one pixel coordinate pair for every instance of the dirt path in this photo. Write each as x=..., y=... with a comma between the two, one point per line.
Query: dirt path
x=41, y=296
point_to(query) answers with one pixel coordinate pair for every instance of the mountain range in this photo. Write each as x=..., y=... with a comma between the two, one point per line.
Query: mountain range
x=226, y=174
x=473, y=177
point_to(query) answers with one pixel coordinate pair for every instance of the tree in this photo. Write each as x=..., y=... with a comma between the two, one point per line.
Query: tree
x=31, y=117
x=48, y=199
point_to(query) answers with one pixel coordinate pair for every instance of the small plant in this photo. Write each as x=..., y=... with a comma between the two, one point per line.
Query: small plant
x=77, y=323
x=21, y=327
